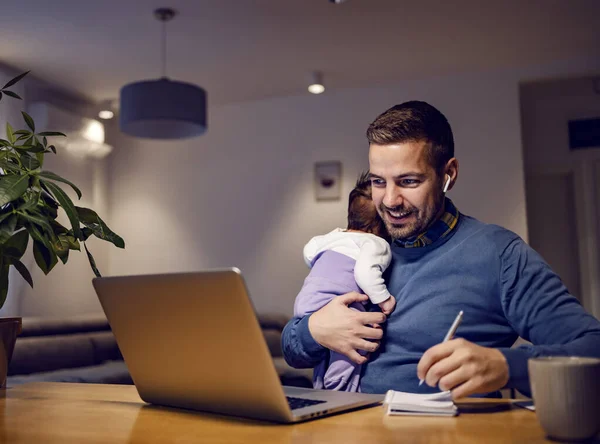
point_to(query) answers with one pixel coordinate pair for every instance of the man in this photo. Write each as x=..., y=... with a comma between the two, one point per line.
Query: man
x=443, y=262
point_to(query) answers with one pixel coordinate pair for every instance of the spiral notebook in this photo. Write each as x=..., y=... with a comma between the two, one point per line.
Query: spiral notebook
x=430, y=404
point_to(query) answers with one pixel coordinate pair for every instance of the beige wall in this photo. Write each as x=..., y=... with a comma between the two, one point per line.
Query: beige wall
x=242, y=194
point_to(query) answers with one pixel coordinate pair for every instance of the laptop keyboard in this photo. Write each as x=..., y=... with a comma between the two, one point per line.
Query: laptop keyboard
x=298, y=403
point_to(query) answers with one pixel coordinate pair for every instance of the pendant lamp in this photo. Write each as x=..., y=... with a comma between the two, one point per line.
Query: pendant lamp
x=163, y=108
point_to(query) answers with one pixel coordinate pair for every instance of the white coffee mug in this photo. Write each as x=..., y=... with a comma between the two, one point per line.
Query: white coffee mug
x=566, y=394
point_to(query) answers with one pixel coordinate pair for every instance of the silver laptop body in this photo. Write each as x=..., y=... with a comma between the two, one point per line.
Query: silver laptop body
x=192, y=340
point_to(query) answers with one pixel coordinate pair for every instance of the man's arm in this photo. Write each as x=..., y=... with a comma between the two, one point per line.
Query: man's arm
x=539, y=308
x=330, y=276
x=300, y=350
x=542, y=311
x=335, y=327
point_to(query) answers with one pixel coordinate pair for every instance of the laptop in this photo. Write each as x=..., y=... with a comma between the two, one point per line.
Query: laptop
x=192, y=340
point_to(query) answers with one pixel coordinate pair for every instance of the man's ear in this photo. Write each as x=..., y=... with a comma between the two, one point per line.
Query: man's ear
x=446, y=184
x=451, y=174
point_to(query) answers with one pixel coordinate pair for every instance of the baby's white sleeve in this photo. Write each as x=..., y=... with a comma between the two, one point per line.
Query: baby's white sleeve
x=310, y=251
x=373, y=260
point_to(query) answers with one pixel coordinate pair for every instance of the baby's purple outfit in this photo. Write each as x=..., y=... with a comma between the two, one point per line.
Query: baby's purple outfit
x=332, y=275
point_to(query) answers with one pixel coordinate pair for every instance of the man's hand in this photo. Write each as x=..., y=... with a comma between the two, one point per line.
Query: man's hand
x=463, y=367
x=343, y=330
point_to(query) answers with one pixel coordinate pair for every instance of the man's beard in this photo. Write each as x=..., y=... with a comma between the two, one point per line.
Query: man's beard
x=420, y=221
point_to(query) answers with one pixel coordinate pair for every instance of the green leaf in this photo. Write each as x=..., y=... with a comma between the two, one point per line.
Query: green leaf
x=29, y=203
x=29, y=162
x=45, y=141
x=4, y=142
x=52, y=148
x=61, y=248
x=92, y=262
x=87, y=232
x=15, y=80
x=3, y=282
x=12, y=187
x=42, y=249
x=12, y=94
x=21, y=268
x=49, y=199
x=6, y=215
x=67, y=204
x=73, y=243
x=28, y=120
x=39, y=148
x=44, y=257
x=38, y=220
x=40, y=158
x=9, y=133
x=9, y=166
x=7, y=227
x=23, y=132
x=90, y=219
x=52, y=176
x=37, y=235
x=50, y=205
x=63, y=255
x=15, y=246
x=51, y=133
x=58, y=228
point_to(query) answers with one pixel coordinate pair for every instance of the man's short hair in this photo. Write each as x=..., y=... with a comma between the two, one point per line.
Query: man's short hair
x=362, y=214
x=415, y=121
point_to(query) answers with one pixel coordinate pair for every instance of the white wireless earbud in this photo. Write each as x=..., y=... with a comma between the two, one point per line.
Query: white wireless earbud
x=447, y=184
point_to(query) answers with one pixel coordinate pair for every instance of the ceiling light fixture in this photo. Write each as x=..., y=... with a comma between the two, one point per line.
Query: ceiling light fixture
x=316, y=86
x=106, y=114
x=163, y=108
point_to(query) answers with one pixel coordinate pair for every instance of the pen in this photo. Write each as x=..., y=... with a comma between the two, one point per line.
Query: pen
x=450, y=333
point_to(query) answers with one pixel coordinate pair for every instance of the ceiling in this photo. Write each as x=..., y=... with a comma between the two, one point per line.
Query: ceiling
x=241, y=50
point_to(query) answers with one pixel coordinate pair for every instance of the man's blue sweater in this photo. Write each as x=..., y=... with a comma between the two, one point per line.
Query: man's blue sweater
x=505, y=289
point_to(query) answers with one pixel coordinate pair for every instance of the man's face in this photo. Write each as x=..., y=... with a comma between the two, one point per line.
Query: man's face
x=406, y=190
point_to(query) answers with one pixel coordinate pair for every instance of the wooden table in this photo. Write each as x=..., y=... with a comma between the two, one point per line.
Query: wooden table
x=81, y=413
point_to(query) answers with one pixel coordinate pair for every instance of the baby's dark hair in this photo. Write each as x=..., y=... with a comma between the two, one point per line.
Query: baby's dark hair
x=362, y=214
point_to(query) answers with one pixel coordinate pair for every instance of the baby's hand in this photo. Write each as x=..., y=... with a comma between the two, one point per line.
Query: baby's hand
x=388, y=305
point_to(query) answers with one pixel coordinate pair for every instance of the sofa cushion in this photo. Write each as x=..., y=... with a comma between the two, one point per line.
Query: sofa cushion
x=33, y=326
x=273, y=320
x=273, y=340
x=105, y=347
x=110, y=372
x=47, y=353
x=298, y=377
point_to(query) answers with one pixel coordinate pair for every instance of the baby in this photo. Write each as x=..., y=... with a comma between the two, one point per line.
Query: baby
x=355, y=261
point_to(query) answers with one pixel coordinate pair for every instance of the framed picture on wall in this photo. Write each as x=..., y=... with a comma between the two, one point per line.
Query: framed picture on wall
x=328, y=180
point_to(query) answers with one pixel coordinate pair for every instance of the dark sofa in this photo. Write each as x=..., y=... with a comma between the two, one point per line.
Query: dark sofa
x=83, y=349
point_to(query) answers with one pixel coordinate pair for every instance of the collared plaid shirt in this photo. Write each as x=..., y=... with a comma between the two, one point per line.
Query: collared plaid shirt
x=440, y=228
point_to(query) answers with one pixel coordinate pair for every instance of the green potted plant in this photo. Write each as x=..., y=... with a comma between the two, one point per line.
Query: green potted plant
x=30, y=198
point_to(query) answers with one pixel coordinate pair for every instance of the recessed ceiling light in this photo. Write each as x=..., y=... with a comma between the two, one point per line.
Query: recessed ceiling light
x=316, y=86
x=106, y=114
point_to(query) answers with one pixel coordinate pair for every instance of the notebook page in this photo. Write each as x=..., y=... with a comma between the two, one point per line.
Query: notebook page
x=401, y=403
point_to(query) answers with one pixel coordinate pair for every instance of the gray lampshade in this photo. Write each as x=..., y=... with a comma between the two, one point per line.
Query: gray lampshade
x=162, y=109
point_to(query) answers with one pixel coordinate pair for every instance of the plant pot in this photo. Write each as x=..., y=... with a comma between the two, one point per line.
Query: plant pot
x=10, y=328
